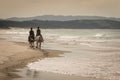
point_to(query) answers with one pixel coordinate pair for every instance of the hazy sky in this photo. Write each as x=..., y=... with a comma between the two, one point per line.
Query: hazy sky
x=28, y=8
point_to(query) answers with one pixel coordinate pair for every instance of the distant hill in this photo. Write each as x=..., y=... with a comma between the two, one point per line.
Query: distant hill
x=61, y=18
x=71, y=24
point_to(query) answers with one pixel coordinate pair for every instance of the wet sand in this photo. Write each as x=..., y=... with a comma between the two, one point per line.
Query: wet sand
x=39, y=75
x=14, y=55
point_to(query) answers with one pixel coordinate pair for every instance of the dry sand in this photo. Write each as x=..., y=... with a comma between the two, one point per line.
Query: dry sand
x=16, y=55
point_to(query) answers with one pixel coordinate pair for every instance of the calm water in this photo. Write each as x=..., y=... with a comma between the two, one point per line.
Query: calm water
x=93, y=52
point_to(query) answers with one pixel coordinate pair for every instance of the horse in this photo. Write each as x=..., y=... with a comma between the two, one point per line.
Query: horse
x=39, y=40
x=31, y=41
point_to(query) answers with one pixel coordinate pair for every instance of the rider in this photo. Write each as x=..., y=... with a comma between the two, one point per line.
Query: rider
x=31, y=36
x=38, y=33
x=31, y=33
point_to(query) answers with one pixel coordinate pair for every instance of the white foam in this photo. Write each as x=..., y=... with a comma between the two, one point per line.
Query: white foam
x=60, y=65
x=99, y=35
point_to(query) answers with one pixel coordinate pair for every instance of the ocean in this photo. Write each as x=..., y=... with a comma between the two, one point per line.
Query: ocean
x=89, y=53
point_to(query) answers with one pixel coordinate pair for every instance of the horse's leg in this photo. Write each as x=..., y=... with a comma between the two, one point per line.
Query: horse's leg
x=36, y=44
x=32, y=44
x=40, y=45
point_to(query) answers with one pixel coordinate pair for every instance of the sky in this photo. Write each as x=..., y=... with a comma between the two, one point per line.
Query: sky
x=30, y=8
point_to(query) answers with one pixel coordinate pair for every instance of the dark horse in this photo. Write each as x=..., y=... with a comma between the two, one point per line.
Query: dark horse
x=31, y=41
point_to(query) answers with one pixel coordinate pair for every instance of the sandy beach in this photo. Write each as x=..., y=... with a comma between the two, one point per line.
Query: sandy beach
x=16, y=55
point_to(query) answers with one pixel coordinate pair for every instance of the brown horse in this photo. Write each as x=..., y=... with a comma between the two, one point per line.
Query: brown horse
x=31, y=41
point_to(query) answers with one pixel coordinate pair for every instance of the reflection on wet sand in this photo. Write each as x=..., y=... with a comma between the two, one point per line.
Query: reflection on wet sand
x=32, y=74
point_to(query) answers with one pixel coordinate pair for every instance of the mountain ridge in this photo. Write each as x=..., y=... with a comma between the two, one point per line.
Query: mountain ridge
x=72, y=24
x=61, y=18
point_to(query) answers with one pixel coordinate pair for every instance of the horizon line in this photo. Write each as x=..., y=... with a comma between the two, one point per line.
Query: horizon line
x=61, y=15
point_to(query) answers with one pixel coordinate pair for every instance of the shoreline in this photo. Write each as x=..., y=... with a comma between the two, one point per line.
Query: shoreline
x=14, y=55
